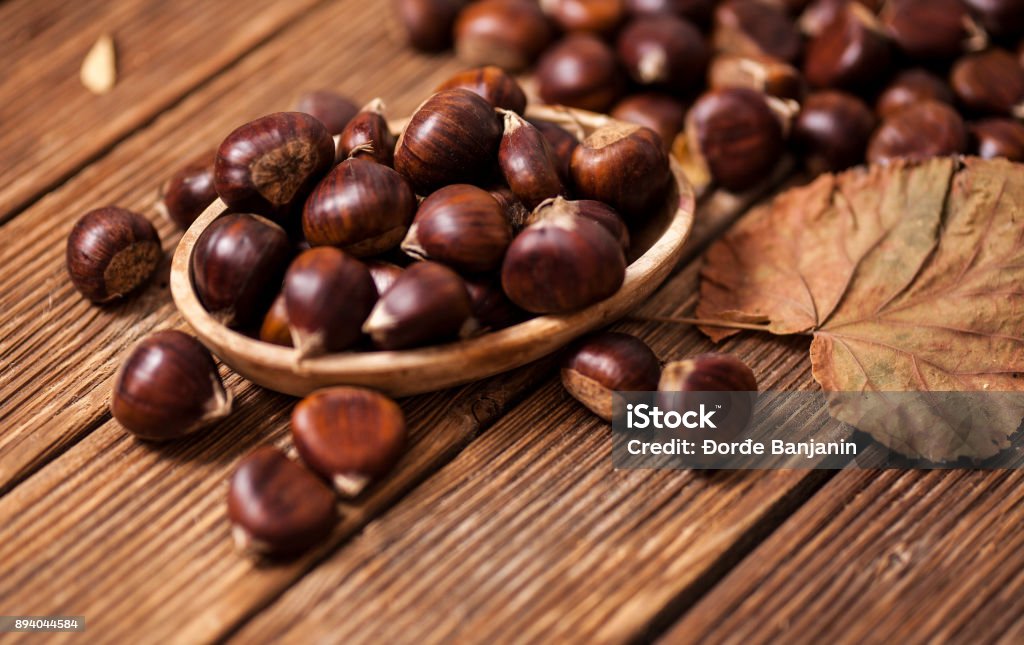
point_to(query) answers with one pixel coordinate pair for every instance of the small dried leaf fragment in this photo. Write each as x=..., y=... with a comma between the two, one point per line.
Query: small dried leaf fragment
x=909, y=278
x=99, y=68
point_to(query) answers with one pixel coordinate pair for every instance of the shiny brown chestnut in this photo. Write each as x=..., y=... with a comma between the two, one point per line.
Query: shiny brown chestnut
x=493, y=84
x=625, y=166
x=168, y=388
x=998, y=138
x=562, y=264
x=660, y=112
x=329, y=108
x=275, y=329
x=721, y=382
x=237, y=263
x=111, y=252
x=606, y=362
x=594, y=16
x=189, y=191
x=932, y=29
x=384, y=274
x=506, y=33
x=461, y=226
x=580, y=71
x=527, y=162
x=362, y=207
x=696, y=11
x=1002, y=18
x=269, y=166
x=664, y=52
x=452, y=138
x=832, y=131
x=760, y=73
x=753, y=27
x=492, y=310
x=590, y=209
x=991, y=82
x=327, y=297
x=562, y=143
x=736, y=135
x=428, y=23
x=427, y=304
x=367, y=136
x=920, y=131
x=349, y=435
x=277, y=507
x=909, y=87
x=849, y=52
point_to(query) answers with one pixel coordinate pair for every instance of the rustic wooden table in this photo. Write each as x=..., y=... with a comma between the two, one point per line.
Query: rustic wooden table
x=505, y=521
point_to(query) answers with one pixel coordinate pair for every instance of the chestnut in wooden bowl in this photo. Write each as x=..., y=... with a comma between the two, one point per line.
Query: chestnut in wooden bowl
x=656, y=248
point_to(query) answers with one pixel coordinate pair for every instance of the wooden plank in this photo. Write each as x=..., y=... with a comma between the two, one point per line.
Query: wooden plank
x=54, y=126
x=893, y=556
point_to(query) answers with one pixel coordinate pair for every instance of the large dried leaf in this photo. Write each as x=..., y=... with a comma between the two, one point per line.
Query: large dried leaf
x=910, y=278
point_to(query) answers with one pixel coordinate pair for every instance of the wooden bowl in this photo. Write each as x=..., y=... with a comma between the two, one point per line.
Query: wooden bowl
x=656, y=250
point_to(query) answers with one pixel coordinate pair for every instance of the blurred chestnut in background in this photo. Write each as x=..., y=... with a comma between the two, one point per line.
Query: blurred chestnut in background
x=493, y=84
x=580, y=71
x=851, y=52
x=697, y=11
x=111, y=252
x=754, y=27
x=594, y=16
x=991, y=82
x=832, y=131
x=660, y=112
x=909, y=87
x=428, y=23
x=1002, y=18
x=507, y=33
x=665, y=52
x=368, y=136
x=760, y=73
x=993, y=138
x=189, y=191
x=329, y=108
x=920, y=131
x=932, y=29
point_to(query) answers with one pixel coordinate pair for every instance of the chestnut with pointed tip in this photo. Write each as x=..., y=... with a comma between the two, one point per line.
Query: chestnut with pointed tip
x=665, y=52
x=909, y=87
x=920, y=131
x=428, y=23
x=590, y=209
x=168, y=388
x=461, y=226
x=368, y=136
x=562, y=264
x=600, y=364
x=327, y=297
x=277, y=507
x=849, y=52
x=111, y=252
x=274, y=329
x=506, y=33
x=753, y=27
x=427, y=304
x=832, y=131
x=493, y=84
x=384, y=274
x=932, y=30
x=998, y=138
x=991, y=82
x=660, y=112
x=237, y=265
x=527, y=162
x=189, y=191
x=760, y=73
x=562, y=143
x=349, y=435
x=452, y=138
x=579, y=71
x=329, y=108
x=269, y=166
x=362, y=207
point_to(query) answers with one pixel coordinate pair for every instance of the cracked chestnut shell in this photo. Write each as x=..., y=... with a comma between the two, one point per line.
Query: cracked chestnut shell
x=277, y=507
x=268, y=166
x=427, y=304
x=753, y=27
x=991, y=82
x=760, y=73
x=491, y=83
x=189, y=191
x=832, y=130
x=452, y=138
x=660, y=112
x=327, y=297
x=849, y=52
x=237, y=263
x=362, y=207
x=665, y=52
x=168, y=388
x=909, y=87
x=607, y=362
x=329, y=108
x=590, y=209
x=932, y=29
x=111, y=252
x=367, y=136
x=527, y=162
x=349, y=435
x=562, y=264
x=461, y=226
x=579, y=71
x=921, y=131
x=993, y=138
x=506, y=33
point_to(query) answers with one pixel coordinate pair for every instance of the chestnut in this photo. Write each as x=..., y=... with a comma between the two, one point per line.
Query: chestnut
x=462, y=226
x=600, y=364
x=920, y=131
x=349, y=435
x=428, y=303
x=998, y=138
x=1002, y=18
x=384, y=274
x=277, y=507
x=660, y=112
x=516, y=213
x=909, y=87
x=562, y=143
x=492, y=310
x=268, y=166
x=594, y=16
x=736, y=135
x=719, y=381
x=329, y=108
x=237, y=263
x=506, y=33
x=452, y=138
x=665, y=52
x=493, y=84
x=428, y=23
x=527, y=162
x=753, y=27
x=833, y=130
x=362, y=206
x=849, y=51
x=696, y=11
x=562, y=264
x=275, y=329
x=111, y=252
x=625, y=166
x=590, y=209
x=579, y=71
x=760, y=73
x=991, y=82
x=168, y=388
x=932, y=29
x=327, y=296
x=189, y=191
x=367, y=136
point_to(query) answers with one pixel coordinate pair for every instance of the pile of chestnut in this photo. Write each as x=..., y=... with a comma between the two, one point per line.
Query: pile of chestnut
x=733, y=85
